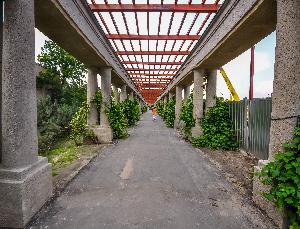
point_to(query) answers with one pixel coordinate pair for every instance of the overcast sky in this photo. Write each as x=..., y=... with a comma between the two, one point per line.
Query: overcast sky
x=238, y=69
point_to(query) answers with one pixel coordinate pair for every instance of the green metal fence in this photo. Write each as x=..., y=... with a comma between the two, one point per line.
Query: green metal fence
x=251, y=122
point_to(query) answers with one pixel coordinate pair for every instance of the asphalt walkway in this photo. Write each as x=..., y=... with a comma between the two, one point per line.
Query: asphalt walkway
x=152, y=179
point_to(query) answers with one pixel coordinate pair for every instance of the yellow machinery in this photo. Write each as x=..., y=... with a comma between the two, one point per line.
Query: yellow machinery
x=233, y=95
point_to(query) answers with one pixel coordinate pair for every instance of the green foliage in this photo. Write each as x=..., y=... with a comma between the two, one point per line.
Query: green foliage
x=161, y=109
x=53, y=122
x=169, y=113
x=217, y=128
x=131, y=111
x=186, y=115
x=79, y=129
x=144, y=109
x=117, y=120
x=98, y=100
x=62, y=75
x=283, y=174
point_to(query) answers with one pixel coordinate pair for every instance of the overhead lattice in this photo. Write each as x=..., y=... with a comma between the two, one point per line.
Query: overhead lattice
x=153, y=37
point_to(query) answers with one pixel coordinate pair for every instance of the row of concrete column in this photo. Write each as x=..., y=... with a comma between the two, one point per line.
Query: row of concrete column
x=98, y=121
x=199, y=76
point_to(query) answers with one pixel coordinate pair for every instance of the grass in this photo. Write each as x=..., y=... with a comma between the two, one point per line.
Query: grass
x=65, y=153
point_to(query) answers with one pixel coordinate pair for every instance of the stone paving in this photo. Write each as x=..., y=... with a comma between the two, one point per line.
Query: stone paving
x=152, y=179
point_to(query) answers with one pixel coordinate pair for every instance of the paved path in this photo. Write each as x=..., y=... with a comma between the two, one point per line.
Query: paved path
x=151, y=180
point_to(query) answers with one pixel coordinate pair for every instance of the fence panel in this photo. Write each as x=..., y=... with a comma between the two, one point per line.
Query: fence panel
x=238, y=112
x=259, y=127
x=251, y=122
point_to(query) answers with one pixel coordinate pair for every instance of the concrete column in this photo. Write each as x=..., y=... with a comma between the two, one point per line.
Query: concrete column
x=103, y=132
x=286, y=93
x=211, y=90
x=1, y=47
x=92, y=86
x=178, y=105
x=170, y=95
x=123, y=95
x=198, y=101
x=130, y=96
x=116, y=93
x=25, y=178
x=186, y=92
x=165, y=100
x=106, y=94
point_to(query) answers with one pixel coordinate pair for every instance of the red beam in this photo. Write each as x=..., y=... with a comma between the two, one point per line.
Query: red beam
x=152, y=37
x=154, y=74
x=153, y=52
x=152, y=69
x=152, y=63
x=193, y=8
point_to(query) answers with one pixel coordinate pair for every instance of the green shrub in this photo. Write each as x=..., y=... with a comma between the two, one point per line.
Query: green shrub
x=79, y=129
x=117, y=120
x=161, y=109
x=53, y=121
x=169, y=113
x=132, y=111
x=98, y=100
x=283, y=174
x=186, y=115
x=217, y=128
x=144, y=109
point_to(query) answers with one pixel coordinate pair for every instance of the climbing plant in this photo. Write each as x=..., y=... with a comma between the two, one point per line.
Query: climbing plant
x=117, y=120
x=161, y=109
x=283, y=175
x=98, y=100
x=169, y=113
x=186, y=115
x=132, y=111
x=217, y=128
x=79, y=129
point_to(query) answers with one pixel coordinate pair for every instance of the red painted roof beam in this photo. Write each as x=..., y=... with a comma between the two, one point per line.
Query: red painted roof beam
x=152, y=37
x=153, y=52
x=152, y=63
x=193, y=8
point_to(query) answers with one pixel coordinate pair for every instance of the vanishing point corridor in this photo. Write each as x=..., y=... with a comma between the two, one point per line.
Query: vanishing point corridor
x=152, y=179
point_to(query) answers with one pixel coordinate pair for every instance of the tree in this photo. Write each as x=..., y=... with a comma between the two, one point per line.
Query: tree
x=62, y=73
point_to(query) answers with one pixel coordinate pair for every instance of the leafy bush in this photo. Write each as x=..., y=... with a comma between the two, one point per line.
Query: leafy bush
x=117, y=120
x=53, y=122
x=144, y=109
x=186, y=115
x=169, y=113
x=161, y=109
x=217, y=128
x=98, y=100
x=283, y=175
x=131, y=111
x=79, y=129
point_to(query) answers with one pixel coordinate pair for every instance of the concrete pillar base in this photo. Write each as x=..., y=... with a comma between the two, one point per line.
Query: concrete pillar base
x=196, y=131
x=104, y=134
x=263, y=203
x=23, y=192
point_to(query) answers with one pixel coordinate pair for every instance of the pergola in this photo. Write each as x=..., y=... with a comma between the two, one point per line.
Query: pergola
x=153, y=38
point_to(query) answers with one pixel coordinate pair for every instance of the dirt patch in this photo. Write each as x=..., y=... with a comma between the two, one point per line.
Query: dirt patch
x=238, y=167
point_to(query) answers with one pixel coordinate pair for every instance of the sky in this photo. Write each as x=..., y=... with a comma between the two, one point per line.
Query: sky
x=238, y=70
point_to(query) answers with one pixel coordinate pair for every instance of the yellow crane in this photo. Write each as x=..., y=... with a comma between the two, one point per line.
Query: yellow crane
x=233, y=94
